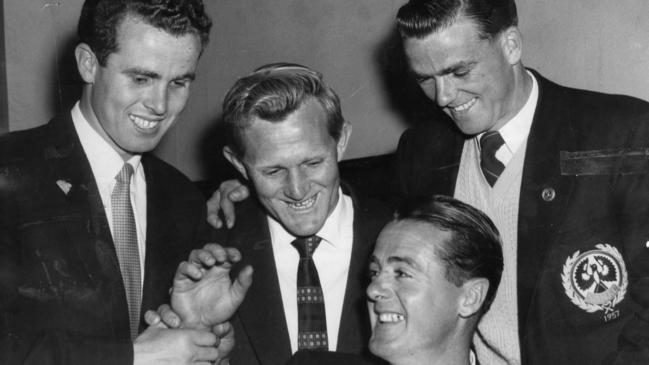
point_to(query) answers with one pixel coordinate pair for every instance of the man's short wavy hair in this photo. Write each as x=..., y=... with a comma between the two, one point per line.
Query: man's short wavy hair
x=420, y=18
x=100, y=18
x=272, y=92
x=474, y=249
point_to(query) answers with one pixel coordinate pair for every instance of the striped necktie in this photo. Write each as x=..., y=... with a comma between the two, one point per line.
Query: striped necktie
x=491, y=167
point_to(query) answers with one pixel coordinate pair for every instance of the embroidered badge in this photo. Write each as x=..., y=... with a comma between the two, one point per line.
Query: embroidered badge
x=596, y=280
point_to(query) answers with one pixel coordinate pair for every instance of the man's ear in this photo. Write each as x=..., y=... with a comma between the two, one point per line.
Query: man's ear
x=345, y=134
x=235, y=161
x=473, y=296
x=511, y=43
x=87, y=63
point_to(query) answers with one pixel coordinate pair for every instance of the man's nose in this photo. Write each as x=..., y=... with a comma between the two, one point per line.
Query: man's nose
x=297, y=185
x=445, y=91
x=156, y=100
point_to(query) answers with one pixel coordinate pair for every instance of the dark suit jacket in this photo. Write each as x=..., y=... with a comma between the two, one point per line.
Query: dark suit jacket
x=260, y=324
x=585, y=182
x=63, y=299
x=327, y=358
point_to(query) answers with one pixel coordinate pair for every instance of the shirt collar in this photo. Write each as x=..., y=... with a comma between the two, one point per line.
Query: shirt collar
x=104, y=160
x=516, y=130
x=330, y=231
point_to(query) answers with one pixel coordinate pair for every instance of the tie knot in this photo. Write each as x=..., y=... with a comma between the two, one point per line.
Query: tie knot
x=124, y=175
x=490, y=142
x=306, y=245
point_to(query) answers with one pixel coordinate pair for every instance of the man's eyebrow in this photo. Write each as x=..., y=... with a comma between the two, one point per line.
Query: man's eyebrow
x=154, y=75
x=404, y=260
x=446, y=71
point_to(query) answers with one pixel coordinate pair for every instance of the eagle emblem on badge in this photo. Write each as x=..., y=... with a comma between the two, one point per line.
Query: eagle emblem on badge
x=596, y=280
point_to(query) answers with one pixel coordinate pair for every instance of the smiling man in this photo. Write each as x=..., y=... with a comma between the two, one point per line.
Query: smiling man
x=435, y=271
x=306, y=238
x=92, y=226
x=558, y=170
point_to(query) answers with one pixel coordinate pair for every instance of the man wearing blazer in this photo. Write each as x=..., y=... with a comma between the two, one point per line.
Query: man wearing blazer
x=567, y=185
x=77, y=268
x=287, y=135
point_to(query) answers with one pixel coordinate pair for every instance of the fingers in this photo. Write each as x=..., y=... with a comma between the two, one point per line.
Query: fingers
x=241, y=284
x=188, y=270
x=232, y=191
x=153, y=319
x=213, y=253
x=204, y=338
x=168, y=316
x=213, y=207
x=223, y=329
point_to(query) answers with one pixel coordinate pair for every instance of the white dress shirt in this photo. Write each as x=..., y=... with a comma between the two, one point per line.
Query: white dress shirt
x=515, y=131
x=331, y=258
x=106, y=163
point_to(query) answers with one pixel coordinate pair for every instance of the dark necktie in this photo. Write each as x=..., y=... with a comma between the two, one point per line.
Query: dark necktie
x=125, y=238
x=312, y=323
x=491, y=167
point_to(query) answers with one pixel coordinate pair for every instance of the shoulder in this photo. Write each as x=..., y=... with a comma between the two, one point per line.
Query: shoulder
x=161, y=174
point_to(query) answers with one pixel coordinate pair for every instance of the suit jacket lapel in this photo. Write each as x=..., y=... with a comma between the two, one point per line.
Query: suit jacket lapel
x=262, y=313
x=544, y=194
x=71, y=171
x=355, y=327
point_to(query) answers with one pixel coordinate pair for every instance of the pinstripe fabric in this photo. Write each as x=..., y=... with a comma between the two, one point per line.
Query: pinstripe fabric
x=125, y=238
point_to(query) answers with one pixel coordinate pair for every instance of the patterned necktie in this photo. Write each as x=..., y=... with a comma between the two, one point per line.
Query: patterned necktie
x=312, y=323
x=125, y=238
x=491, y=167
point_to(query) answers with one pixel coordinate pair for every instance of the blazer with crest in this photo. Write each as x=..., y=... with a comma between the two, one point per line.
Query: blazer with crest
x=260, y=325
x=583, y=225
x=63, y=299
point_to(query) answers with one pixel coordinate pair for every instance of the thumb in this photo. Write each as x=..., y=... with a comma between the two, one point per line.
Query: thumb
x=242, y=284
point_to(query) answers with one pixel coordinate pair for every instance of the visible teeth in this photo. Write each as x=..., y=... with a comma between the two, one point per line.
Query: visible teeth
x=143, y=123
x=391, y=317
x=304, y=204
x=465, y=106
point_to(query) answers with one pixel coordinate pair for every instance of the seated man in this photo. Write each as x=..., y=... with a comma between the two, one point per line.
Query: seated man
x=308, y=241
x=435, y=270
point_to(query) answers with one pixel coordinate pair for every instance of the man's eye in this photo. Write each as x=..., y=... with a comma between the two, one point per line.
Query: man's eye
x=461, y=73
x=423, y=79
x=401, y=274
x=314, y=163
x=272, y=172
x=180, y=83
x=373, y=273
x=140, y=80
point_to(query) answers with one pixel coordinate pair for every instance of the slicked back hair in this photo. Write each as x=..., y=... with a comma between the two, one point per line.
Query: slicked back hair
x=272, y=92
x=100, y=18
x=420, y=18
x=474, y=249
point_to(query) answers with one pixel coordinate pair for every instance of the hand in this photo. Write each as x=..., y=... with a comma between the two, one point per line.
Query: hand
x=225, y=333
x=203, y=294
x=158, y=345
x=229, y=192
x=165, y=317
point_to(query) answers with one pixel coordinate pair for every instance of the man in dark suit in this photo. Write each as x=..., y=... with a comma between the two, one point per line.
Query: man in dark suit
x=286, y=136
x=565, y=181
x=564, y=178
x=92, y=226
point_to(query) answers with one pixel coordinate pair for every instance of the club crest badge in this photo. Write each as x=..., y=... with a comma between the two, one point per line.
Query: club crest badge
x=596, y=280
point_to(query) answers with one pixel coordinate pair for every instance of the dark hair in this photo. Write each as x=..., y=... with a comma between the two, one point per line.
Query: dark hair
x=99, y=20
x=420, y=18
x=474, y=249
x=271, y=93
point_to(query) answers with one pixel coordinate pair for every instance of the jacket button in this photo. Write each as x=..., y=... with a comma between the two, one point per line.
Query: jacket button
x=548, y=194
